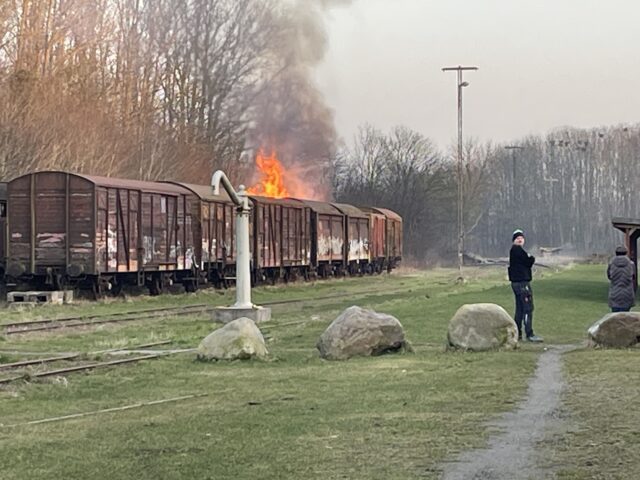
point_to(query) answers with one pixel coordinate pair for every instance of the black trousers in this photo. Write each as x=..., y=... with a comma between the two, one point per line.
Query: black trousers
x=524, y=307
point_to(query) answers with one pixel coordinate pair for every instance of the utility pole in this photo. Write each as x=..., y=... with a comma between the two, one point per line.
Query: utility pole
x=459, y=69
x=514, y=206
x=513, y=149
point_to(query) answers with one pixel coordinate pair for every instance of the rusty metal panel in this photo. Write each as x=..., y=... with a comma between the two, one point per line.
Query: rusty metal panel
x=134, y=231
x=205, y=248
x=282, y=233
x=159, y=235
x=358, y=238
x=357, y=232
x=220, y=253
x=185, y=224
x=166, y=237
x=394, y=238
x=389, y=214
x=322, y=208
x=173, y=244
x=257, y=229
x=362, y=248
x=112, y=230
x=81, y=225
x=350, y=210
x=326, y=232
x=204, y=192
x=213, y=224
x=377, y=233
x=377, y=245
x=323, y=239
x=101, y=236
x=268, y=234
x=288, y=236
x=50, y=220
x=306, y=238
x=330, y=238
x=295, y=235
x=163, y=188
x=122, y=229
x=229, y=236
x=337, y=238
x=147, y=230
x=19, y=221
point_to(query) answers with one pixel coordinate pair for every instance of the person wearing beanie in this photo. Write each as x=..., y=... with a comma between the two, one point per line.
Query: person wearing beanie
x=620, y=273
x=520, y=263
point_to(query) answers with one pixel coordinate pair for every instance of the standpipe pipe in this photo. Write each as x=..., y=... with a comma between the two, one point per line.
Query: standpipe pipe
x=243, y=256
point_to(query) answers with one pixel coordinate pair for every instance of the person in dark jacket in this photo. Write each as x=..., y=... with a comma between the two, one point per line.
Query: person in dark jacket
x=620, y=273
x=520, y=263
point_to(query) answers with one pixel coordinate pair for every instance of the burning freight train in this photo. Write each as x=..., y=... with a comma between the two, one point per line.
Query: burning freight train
x=65, y=229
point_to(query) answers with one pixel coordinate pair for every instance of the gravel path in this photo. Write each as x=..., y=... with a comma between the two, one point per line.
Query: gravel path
x=511, y=453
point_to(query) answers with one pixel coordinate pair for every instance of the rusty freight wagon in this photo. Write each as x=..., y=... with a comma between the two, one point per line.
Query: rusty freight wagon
x=281, y=238
x=72, y=229
x=378, y=258
x=327, y=230
x=214, y=225
x=393, y=237
x=356, y=246
x=386, y=237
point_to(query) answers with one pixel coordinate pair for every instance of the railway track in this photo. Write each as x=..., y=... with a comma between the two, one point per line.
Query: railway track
x=10, y=367
x=43, y=325
x=97, y=319
x=78, y=368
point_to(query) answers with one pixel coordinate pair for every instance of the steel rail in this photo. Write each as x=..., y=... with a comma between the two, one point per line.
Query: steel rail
x=79, y=368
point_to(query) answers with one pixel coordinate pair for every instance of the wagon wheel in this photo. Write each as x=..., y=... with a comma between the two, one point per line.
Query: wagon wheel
x=116, y=289
x=97, y=289
x=155, y=287
x=58, y=281
x=191, y=286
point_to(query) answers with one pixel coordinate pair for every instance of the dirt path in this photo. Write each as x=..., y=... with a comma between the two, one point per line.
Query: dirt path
x=511, y=453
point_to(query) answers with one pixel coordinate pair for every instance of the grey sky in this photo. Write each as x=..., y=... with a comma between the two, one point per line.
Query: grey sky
x=543, y=64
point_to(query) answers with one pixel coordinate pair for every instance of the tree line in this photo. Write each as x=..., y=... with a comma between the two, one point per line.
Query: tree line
x=156, y=89
x=562, y=188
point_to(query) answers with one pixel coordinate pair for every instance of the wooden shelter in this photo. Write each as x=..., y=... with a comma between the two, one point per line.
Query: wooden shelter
x=631, y=229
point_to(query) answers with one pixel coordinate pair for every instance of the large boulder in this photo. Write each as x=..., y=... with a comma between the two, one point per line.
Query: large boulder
x=361, y=332
x=482, y=326
x=620, y=329
x=240, y=339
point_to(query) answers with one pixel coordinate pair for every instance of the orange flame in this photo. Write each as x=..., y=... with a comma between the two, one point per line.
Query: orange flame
x=273, y=175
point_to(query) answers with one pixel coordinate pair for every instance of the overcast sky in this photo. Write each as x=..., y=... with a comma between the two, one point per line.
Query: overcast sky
x=542, y=64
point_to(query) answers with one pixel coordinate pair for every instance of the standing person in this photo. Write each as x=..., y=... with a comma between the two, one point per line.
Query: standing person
x=620, y=273
x=520, y=263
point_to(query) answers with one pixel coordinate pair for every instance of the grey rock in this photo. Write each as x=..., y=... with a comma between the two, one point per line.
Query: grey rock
x=620, y=329
x=240, y=339
x=482, y=326
x=361, y=332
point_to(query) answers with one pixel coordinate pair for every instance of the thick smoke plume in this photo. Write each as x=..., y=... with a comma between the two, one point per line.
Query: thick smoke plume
x=292, y=117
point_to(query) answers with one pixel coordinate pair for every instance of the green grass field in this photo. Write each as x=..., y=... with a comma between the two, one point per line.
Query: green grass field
x=296, y=416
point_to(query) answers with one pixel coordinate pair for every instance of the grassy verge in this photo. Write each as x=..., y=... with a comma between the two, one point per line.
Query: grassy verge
x=603, y=441
x=294, y=416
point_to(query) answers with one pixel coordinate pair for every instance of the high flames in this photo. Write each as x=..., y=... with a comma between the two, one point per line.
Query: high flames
x=272, y=183
x=278, y=181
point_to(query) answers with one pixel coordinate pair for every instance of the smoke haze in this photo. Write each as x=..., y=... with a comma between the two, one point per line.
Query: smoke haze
x=293, y=117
